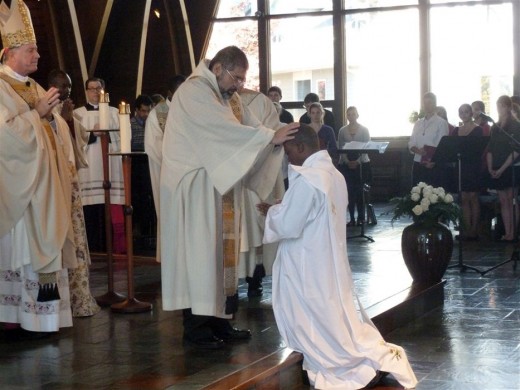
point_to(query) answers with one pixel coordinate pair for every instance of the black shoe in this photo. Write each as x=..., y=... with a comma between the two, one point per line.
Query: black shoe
x=19, y=334
x=360, y=222
x=254, y=288
x=212, y=342
x=234, y=334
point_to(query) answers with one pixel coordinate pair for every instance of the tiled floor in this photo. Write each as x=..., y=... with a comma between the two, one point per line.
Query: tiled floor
x=472, y=342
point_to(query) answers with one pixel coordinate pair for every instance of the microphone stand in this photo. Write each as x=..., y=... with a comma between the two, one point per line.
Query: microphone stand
x=515, y=256
x=463, y=267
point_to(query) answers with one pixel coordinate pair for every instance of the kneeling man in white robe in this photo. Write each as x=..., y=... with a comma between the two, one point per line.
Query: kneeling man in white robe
x=313, y=298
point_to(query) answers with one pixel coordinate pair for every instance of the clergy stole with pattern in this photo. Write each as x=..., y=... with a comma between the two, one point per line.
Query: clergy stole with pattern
x=229, y=229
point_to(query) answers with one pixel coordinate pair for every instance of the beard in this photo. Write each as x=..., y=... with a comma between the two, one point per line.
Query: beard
x=226, y=93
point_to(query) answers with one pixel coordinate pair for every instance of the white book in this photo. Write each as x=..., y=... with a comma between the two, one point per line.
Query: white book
x=370, y=145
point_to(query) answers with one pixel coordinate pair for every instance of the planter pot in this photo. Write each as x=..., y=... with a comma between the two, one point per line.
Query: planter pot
x=427, y=249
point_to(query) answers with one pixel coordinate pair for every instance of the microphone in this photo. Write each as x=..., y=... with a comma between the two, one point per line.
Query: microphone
x=487, y=118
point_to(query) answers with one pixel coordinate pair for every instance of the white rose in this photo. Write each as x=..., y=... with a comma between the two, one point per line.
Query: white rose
x=421, y=184
x=427, y=193
x=448, y=198
x=415, y=197
x=425, y=207
x=417, y=210
x=415, y=190
x=428, y=188
x=433, y=198
x=436, y=191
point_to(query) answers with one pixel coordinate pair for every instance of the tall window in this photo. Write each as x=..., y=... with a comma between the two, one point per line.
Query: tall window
x=386, y=62
x=302, y=49
x=242, y=33
x=382, y=78
x=471, y=55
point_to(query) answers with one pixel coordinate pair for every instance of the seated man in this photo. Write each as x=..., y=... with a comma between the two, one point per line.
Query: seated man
x=313, y=298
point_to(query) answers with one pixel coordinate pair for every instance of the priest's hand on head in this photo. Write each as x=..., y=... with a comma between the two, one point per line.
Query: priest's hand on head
x=47, y=102
x=285, y=133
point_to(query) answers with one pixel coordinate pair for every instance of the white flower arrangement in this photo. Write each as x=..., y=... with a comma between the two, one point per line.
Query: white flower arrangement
x=427, y=204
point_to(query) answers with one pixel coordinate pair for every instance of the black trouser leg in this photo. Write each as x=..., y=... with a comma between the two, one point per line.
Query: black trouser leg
x=219, y=325
x=196, y=327
x=95, y=227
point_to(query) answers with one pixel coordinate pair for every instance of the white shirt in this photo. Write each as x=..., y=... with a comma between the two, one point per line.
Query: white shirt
x=427, y=132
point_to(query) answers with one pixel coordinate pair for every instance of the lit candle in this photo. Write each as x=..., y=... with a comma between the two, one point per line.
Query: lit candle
x=104, y=111
x=125, y=128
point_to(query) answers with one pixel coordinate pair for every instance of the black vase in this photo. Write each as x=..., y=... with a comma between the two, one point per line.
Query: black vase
x=427, y=249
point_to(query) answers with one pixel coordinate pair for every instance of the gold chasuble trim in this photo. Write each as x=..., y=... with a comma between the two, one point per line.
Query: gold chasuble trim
x=231, y=230
x=48, y=289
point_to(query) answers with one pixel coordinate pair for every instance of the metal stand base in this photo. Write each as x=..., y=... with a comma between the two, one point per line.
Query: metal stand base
x=109, y=298
x=361, y=235
x=131, y=306
x=463, y=267
x=515, y=257
x=365, y=189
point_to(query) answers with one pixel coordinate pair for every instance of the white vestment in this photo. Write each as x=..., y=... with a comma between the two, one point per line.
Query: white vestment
x=36, y=234
x=252, y=252
x=313, y=298
x=153, y=140
x=91, y=177
x=206, y=152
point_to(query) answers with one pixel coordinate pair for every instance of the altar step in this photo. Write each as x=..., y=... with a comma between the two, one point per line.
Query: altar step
x=283, y=369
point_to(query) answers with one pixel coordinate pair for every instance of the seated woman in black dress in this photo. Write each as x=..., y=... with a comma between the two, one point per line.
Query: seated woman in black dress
x=470, y=175
x=500, y=159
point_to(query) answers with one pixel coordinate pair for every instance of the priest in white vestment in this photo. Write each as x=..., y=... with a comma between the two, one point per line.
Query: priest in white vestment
x=91, y=177
x=209, y=145
x=315, y=306
x=153, y=139
x=256, y=259
x=36, y=233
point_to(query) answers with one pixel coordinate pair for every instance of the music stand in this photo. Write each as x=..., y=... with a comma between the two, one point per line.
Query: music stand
x=458, y=149
x=361, y=148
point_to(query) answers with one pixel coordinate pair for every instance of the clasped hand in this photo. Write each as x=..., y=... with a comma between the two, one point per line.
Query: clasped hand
x=47, y=102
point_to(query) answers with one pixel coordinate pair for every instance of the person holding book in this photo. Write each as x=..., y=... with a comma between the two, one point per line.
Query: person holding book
x=426, y=135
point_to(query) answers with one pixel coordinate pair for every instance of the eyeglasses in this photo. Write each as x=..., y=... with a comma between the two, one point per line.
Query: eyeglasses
x=237, y=80
x=97, y=89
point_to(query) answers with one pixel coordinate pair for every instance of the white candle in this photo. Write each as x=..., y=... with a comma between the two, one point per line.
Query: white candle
x=104, y=112
x=104, y=118
x=125, y=128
